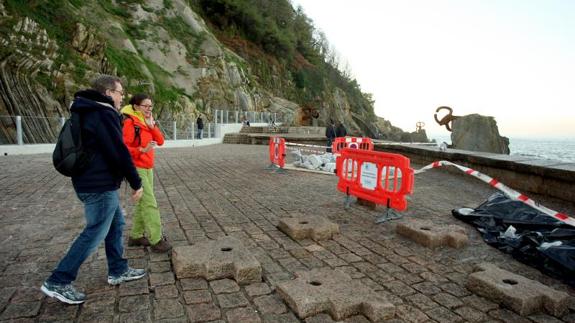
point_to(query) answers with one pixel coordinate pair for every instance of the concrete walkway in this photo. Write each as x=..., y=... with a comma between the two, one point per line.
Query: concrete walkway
x=212, y=191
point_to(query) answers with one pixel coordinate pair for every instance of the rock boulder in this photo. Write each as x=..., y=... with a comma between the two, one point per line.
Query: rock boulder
x=478, y=133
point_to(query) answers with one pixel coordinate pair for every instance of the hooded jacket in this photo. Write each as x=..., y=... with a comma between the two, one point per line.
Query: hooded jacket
x=134, y=141
x=102, y=135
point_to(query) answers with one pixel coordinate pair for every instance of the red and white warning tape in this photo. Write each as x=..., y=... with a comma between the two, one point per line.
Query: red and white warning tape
x=304, y=145
x=500, y=186
x=307, y=150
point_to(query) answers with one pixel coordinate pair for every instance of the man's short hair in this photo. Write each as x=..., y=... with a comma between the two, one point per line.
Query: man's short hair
x=105, y=82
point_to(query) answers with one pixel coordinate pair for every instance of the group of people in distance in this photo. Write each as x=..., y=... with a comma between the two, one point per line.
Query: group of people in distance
x=122, y=144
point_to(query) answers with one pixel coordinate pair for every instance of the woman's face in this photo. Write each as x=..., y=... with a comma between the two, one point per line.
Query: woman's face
x=145, y=107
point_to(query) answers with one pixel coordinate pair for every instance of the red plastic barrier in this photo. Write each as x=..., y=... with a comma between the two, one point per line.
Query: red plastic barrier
x=277, y=146
x=340, y=143
x=379, y=177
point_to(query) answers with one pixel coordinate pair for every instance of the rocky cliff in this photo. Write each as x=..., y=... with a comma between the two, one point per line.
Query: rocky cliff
x=50, y=49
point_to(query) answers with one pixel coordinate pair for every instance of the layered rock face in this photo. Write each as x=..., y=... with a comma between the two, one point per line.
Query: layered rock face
x=478, y=133
x=27, y=52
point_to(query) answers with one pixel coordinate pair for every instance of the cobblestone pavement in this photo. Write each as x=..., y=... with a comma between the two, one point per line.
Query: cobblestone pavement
x=207, y=192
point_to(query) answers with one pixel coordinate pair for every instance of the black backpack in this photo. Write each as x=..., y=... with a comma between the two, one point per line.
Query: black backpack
x=70, y=157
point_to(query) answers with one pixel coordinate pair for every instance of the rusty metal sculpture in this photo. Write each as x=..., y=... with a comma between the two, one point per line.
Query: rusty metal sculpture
x=447, y=119
x=419, y=126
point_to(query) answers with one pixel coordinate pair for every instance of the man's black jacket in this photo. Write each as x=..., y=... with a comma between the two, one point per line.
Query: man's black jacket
x=102, y=134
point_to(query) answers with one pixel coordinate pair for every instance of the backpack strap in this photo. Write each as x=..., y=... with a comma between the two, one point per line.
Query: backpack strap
x=137, y=129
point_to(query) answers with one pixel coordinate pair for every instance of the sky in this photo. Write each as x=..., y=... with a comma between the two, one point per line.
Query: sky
x=510, y=59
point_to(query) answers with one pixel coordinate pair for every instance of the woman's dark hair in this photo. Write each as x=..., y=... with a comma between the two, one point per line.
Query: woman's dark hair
x=138, y=98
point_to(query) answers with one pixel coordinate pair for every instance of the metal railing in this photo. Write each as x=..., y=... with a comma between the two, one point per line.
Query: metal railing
x=22, y=130
x=227, y=117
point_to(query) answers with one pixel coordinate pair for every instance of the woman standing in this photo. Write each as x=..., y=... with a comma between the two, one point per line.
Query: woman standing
x=141, y=136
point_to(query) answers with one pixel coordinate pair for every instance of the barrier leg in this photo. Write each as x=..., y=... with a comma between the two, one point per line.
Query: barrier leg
x=347, y=202
x=390, y=214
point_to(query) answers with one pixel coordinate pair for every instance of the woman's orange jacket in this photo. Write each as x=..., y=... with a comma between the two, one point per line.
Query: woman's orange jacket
x=135, y=139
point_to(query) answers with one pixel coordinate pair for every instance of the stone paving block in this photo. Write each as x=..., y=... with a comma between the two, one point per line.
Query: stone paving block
x=522, y=295
x=223, y=258
x=316, y=228
x=327, y=290
x=432, y=235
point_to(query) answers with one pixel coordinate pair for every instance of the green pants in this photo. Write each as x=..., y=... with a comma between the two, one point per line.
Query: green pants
x=146, y=214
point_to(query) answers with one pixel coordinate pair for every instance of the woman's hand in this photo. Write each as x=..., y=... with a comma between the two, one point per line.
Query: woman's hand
x=151, y=145
x=150, y=120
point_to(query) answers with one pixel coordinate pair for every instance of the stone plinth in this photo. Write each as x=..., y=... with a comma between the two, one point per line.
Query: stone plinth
x=431, y=235
x=516, y=292
x=222, y=258
x=334, y=292
x=316, y=228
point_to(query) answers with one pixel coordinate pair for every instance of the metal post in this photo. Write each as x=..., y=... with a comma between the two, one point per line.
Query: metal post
x=62, y=121
x=275, y=117
x=193, y=133
x=175, y=131
x=237, y=117
x=209, y=130
x=227, y=116
x=19, y=137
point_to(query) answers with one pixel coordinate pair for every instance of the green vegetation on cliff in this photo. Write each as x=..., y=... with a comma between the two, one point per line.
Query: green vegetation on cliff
x=295, y=48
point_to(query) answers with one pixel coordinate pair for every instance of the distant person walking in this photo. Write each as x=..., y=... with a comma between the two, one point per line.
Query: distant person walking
x=341, y=131
x=200, y=125
x=141, y=136
x=330, y=134
x=97, y=187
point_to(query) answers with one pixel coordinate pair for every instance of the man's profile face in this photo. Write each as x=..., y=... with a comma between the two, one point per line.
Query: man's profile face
x=117, y=95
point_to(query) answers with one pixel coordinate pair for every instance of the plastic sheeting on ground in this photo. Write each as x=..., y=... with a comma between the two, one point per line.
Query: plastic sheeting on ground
x=529, y=235
x=324, y=162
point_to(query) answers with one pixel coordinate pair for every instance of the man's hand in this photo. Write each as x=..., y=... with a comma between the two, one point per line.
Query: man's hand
x=137, y=194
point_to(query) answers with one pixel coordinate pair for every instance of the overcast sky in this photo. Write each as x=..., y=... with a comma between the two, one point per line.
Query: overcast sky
x=510, y=59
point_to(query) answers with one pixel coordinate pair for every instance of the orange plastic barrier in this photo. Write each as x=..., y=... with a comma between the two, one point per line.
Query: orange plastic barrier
x=340, y=143
x=277, y=146
x=379, y=177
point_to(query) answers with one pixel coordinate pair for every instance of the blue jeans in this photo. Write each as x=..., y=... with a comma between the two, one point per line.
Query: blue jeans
x=200, y=133
x=104, y=221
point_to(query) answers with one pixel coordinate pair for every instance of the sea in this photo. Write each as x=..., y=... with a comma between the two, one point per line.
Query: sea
x=562, y=149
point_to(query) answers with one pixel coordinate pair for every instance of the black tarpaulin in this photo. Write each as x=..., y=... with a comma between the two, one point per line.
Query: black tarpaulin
x=529, y=235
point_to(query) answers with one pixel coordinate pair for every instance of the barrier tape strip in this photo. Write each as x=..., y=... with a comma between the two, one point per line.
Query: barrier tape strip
x=306, y=150
x=514, y=195
x=304, y=145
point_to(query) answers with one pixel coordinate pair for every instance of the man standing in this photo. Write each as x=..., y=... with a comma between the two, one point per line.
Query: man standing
x=97, y=187
x=330, y=135
x=341, y=131
x=200, y=125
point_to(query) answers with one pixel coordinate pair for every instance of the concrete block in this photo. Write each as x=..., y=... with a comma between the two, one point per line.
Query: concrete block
x=432, y=235
x=516, y=292
x=216, y=259
x=316, y=228
x=334, y=292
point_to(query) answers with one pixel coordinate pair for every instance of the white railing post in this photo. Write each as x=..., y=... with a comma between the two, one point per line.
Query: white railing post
x=237, y=119
x=209, y=130
x=227, y=116
x=19, y=136
x=193, y=133
x=175, y=131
